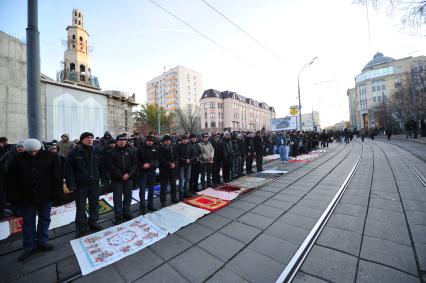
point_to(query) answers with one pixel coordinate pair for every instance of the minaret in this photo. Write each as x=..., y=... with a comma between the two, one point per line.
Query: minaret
x=77, y=65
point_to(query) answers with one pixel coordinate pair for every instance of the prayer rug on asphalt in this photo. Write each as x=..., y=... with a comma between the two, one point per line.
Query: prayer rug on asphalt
x=109, y=198
x=270, y=158
x=218, y=194
x=189, y=211
x=103, y=207
x=15, y=224
x=62, y=215
x=233, y=189
x=272, y=171
x=297, y=160
x=110, y=245
x=206, y=202
x=169, y=219
x=4, y=230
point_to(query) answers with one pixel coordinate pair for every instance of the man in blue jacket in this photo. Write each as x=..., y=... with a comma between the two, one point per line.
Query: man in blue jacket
x=82, y=177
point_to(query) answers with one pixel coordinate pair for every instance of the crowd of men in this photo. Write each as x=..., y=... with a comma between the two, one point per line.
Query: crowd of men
x=33, y=174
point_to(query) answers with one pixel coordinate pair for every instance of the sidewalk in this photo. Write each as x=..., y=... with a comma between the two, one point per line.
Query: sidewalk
x=403, y=137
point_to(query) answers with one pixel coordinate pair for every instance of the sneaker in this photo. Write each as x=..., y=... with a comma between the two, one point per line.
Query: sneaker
x=46, y=247
x=96, y=227
x=26, y=254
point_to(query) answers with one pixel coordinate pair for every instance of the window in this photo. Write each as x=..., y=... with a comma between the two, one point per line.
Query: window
x=374, y=88
x=206, y=125
x=379, y=98
x=212, y=104
x=213, y=124
x=73, y=36
x=82, y=68
x=383, y=87
x=205, y=115
x=212, y=115
x=374, y=99
x=72, y=67
x=205, y=106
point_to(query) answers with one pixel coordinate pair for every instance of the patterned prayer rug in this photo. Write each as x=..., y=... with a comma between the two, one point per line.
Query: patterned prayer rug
x=15, y=224
x=228, y=188
x=103, y=207
x=169, y=219
x=4, y=230
x=62, y=215
x=206, y=202
x=218, y=194
x=108, y=246
x=189, y=211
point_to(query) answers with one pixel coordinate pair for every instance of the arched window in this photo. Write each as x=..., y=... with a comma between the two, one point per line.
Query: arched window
x=72, y=67
x=81, y=38
x=82, y=68
x=79, y=22
x=73, y=36
x=79, y=15
x=75, y=13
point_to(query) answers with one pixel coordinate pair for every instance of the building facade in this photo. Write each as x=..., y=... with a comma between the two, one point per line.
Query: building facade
x=378, y=81
x=351, y=93
x=175, y=89
x=66, y=106
x=233, y=112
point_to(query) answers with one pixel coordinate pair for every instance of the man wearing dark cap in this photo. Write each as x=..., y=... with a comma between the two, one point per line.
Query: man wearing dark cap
x=82, y=176
x=34, y=182
x=122, y=165
x=167, y=159
x=147, y=155
x=195, y=163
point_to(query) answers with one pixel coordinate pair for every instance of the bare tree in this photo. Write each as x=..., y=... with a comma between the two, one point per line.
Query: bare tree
x=189, y=119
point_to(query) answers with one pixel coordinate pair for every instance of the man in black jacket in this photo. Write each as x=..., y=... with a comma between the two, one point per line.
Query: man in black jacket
x=237, y=157
x=167, y=158
x=195, y=163
x=82, y=176
x=250, y=152
x=243, y=153
x=185, y=155
x=258, y=148
x=122, y=165
x=228, y=155
x=147, y=155
x=217, y=160
x=34, y=181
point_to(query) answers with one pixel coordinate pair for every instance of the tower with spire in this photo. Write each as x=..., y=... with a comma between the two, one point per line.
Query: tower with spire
x=77, y=63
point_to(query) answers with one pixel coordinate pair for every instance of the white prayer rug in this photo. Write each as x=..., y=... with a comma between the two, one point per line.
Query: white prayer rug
x=189, y=211
x=218, y=194
x=169, y=219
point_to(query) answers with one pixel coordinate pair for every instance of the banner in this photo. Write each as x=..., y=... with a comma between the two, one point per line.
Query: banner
x=284, y=124
x=294, y=110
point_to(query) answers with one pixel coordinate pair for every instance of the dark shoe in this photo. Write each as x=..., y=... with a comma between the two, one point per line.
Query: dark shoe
x=127, y=216
x=175, y=201
x=118, y=221
x=26, y=254
x=96, y=227
x=81, y=233
x=142, y=211
x=188, y=195
x=152, y=208
x=163, y=204
x=46, y=247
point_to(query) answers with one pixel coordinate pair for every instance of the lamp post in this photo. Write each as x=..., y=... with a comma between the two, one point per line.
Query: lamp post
x=298, y=89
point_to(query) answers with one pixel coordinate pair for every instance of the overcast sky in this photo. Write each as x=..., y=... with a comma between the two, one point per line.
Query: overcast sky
x=134, y=40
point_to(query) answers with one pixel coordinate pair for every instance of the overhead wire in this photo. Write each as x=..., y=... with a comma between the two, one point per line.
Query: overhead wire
x=244, y=31
x=199, y=32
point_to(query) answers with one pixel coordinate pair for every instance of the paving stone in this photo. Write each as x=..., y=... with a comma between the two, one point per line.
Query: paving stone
x=46, y=274
x=254, y=199
x=255, y=267
x=240, y=232
x=419, y=233
x=273, y=247
x=394, y=205
x=229, y=212
x=196, y=264
x=263, y=194
x=225, y=275
x=389, y=253
x=386, y=216
x=284, y=205
x=351, y=209
x=421, y=255
x=415, y=205
x=412, y=196
x=306, y=278
x=67, y=268
x=285, y=197
x=416, y=217
x=373, y=272
x=346, y=222
x=106, y=274
x=255, y=220
x=303, y=222
x=357, y=200
x=395, y=233
x=213, y=221
x=293, y=193
x=131, y=268
x=342, y=240
x=306, y=211
x=330, y=265
x=194, y=232
x=319, y=205
x=272, y=189
x=221, y=246
x=170, y=246
x=163, y=274
x=243, y=205
x=287, y=232
x=383, y=195
x=267, y=211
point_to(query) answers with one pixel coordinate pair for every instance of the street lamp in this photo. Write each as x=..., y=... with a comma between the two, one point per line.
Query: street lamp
x=298, y=89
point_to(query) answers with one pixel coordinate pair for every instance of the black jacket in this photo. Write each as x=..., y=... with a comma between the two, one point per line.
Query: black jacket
x=227, y=150
x=243, y=148
x=184, y=152
x=34, y=179
x=121, y=161
x=258, y=144
x=196, y=152
x=236, y=148
x=83, y=166
x=166, y=156
x=249, y=145
x=218, y=154
x=147, y=154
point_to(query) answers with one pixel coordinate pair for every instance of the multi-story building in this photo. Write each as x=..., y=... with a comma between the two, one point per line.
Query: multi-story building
x=230, y=111
x=379, y=79
x=351, y=93
x=175, y=89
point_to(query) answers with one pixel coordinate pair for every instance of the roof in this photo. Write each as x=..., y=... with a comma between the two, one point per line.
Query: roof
x=212, y=93
x=378, y=59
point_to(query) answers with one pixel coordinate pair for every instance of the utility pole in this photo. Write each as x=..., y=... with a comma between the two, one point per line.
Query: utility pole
x=298, y=89
x=33, y=72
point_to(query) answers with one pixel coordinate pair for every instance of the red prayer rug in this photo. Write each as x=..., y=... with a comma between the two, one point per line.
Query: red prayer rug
x=228, y=188
x=15, y=224
x=207, y=202
x=297, y=160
